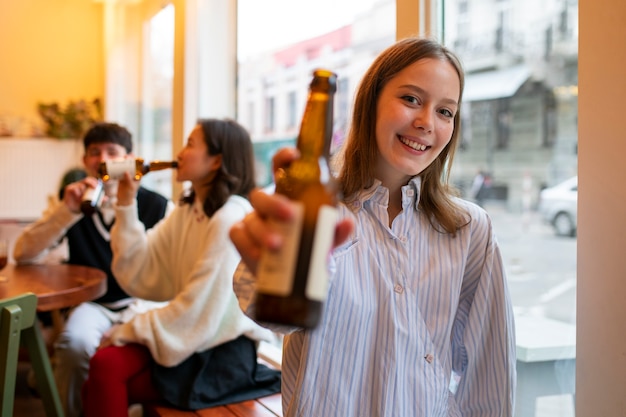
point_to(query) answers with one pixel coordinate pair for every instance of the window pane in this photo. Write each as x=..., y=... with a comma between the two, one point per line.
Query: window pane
x=519, y=130
x=275, y=66
x=519, y=139
x=155, y=132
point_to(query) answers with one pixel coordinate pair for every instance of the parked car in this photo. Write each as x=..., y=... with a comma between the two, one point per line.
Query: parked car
x=558, y=206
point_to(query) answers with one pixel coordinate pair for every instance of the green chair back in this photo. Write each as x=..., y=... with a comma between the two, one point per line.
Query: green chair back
x=18, y=324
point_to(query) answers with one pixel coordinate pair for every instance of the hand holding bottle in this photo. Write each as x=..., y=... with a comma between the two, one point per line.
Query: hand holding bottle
x=129, y=171
x=292, y=281
x=73, y=193
x=114, y=169
x=254, y=233
x=127, y=190
x=93, y=197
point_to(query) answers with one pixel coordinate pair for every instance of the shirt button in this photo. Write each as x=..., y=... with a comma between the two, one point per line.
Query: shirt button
x=429, y=358
x=398, y=288
x=403, y=239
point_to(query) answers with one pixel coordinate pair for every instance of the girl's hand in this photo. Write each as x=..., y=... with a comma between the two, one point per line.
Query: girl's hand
x=127, y=190
x=254, y=234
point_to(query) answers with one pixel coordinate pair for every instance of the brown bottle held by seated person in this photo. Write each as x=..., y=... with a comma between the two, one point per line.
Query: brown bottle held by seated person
x=92, y=199
x=115, y=168
x=292, y=282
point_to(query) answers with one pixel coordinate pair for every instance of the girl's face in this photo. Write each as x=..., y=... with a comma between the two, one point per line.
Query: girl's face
x=194, y=162
x=415, y=119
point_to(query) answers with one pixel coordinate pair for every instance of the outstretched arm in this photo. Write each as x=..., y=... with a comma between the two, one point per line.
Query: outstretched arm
x=254, y=234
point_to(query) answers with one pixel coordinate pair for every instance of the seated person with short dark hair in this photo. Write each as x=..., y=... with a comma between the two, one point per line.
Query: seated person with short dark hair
x=88, y=241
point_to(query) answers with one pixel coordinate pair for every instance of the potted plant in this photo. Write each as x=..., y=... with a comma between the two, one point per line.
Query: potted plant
x=71, y=121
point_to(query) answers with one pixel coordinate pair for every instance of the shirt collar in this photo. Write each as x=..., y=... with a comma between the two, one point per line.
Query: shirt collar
x=378, y=194
x=411, y=193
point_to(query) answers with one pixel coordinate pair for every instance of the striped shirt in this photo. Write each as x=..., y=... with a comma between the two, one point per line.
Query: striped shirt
x=408, y=308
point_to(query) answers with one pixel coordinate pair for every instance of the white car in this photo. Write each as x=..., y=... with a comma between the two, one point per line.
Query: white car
x=558, y=206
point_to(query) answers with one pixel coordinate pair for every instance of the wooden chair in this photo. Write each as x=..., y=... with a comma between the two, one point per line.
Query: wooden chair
x=18, y=323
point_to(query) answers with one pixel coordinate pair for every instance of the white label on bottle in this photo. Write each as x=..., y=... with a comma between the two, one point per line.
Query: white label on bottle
x=276, y=269
x=317, y=282
x=117, y=167
x=94, y=195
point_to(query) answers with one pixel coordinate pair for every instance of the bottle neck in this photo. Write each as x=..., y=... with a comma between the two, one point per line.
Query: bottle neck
x=316, y=123
x=159, y=165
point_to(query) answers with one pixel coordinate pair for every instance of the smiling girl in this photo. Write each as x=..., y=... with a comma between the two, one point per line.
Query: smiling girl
x=418, y=320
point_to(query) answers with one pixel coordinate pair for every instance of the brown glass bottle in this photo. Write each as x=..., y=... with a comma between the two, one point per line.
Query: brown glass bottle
x=92, y=199
x=115, y=168
x=292, y=283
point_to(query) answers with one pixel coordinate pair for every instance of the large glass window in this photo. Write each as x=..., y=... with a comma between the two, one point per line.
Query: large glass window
x=275, y=66
x=517, y=157
x=155, y=134
x=140, y=71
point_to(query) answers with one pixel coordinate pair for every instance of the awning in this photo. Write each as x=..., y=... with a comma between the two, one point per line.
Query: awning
x=490, y=85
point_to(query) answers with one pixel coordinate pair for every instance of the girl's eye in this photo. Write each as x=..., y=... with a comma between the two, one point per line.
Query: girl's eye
x=411, y=99
x=446, y=112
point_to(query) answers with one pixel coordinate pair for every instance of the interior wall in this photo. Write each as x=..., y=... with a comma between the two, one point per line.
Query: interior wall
x=601, y=291
x=50, y=50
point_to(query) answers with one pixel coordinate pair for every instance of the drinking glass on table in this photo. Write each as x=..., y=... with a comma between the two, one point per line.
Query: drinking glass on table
x=4, y=256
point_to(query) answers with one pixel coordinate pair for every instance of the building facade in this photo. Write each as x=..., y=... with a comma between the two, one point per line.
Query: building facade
x=520, y=98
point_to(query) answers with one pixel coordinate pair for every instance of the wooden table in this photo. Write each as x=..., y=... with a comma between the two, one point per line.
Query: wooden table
x=56, y=286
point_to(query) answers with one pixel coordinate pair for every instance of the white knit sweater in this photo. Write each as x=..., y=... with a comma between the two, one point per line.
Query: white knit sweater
x=189, y=260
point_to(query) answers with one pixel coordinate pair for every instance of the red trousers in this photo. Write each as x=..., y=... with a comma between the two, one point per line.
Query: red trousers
x=118, y=377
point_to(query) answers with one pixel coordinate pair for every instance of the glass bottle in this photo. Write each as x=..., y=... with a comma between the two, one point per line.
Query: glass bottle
x=115, y=168
x=292, y=283
x=92, y=199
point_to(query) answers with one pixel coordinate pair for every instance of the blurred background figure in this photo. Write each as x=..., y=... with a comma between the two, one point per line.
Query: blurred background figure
x=481, y=188
x=88, y=243
x=199, y=350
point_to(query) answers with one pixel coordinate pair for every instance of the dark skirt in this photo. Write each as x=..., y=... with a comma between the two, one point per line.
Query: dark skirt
x=225, y=374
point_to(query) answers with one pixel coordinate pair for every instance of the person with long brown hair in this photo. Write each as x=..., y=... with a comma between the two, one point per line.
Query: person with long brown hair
x=200, y=349
x=418, y=320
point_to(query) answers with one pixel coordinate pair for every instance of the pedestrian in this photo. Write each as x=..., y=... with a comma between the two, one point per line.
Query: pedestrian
x=418, y=320
x=200, y=349
x=481, y=188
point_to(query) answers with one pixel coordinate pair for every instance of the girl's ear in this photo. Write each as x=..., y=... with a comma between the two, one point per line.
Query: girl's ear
x=217, y=162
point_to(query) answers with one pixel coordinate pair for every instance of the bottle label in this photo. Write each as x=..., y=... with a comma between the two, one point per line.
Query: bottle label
x=276, y=270
x=117, y=167
x=317, y=283
x=93, y=196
